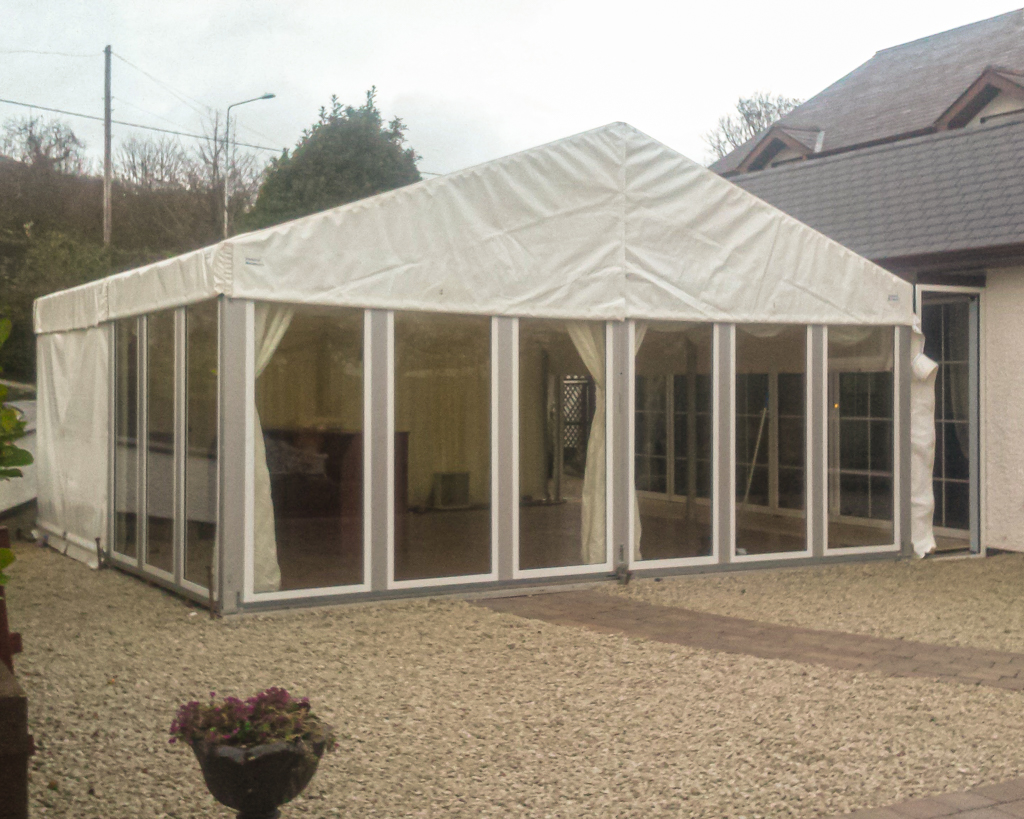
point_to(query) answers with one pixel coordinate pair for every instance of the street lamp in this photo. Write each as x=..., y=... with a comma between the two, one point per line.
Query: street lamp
x=227, y=147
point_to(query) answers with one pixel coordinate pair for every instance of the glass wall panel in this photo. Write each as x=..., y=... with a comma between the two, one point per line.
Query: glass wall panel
x=442, y=445
x=310, y=404
x=126, y=437
x=945, y=319
x=673, y=380
x=771, y=362
x=860, y=435
x=561, y=443
x=201, y=444
x=160, y=441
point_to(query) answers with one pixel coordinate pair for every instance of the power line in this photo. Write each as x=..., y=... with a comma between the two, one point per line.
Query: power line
x=133, y=124
x=181, y=96
x=123, y=101
x=47, y=53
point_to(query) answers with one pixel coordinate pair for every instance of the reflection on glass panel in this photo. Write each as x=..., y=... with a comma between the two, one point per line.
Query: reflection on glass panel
x=310, y=404
x=771, y=362
x=945, y=319
x=561, y=429
x=442, y=445
x=651, y=446
x=126, y=429
x=201, y=445
x=160, y=441
x=860, y=436
x=673, y=365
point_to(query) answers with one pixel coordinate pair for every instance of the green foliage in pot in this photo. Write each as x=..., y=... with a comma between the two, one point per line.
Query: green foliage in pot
x=273, y=715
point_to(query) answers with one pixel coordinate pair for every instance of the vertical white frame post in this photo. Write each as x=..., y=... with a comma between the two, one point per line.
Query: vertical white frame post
x=142, y=492
x=723, y=433
x=180, y=445
x=235, y=452
x=816, y=440
x=108, y=551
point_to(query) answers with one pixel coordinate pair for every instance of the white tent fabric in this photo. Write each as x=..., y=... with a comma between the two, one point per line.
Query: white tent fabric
x=606, y=225
x=271, y=325
x=922, y=446
x=73, y=445
x=609, y=224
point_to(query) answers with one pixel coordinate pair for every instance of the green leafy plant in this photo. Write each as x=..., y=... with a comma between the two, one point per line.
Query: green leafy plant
x=12, y=427
x=12, y=458
x=6, y=559
x=273, y=715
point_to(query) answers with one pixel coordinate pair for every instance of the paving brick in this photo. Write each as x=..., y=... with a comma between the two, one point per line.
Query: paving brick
x=966, y=800
x=928, y=808
x=872, y=813
x=1010, y=791
x=614, y=615
x=1013, y=808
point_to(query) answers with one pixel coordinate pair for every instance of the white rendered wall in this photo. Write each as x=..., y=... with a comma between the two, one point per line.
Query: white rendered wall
x=1002, y=399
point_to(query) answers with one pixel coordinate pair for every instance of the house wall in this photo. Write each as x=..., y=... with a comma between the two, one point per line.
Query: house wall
x=1002, y=396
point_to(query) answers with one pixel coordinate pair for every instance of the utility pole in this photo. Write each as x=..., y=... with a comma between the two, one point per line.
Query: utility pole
x=106, y=147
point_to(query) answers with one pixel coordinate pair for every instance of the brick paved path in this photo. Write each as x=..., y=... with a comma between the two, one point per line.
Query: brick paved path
x=856, y=652
x=1001, y=801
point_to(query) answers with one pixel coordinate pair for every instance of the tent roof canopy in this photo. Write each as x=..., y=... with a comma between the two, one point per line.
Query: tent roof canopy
x=608, y=224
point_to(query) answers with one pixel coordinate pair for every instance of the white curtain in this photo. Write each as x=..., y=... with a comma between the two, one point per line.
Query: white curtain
x=589, y=340
x=640, y=330
x=271, y=324
x=922, y=446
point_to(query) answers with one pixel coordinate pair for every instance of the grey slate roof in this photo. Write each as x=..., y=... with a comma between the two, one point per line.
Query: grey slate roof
x=954, y=190
x=905, y=88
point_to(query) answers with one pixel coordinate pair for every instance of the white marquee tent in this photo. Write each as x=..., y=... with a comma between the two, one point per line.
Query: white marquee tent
x=608, y=228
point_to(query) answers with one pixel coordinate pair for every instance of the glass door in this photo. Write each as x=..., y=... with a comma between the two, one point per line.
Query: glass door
x=949, y=319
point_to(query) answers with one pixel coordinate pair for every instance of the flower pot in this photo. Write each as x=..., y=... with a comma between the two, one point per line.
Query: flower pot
x=256, y=781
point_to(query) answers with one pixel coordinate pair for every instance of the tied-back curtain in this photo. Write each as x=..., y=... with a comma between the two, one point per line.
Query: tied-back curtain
x=589, y=340
x=639, y=331
x=271, y=324
x=922, y=446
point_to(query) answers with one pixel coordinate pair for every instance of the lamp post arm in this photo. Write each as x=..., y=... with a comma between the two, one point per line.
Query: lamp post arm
x=227, y=147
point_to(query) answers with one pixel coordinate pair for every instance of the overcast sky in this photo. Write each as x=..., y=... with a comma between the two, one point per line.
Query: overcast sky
x=472, y=79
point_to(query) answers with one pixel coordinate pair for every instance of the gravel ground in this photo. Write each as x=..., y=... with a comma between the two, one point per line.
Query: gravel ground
x=447, y=709
x=960, y=602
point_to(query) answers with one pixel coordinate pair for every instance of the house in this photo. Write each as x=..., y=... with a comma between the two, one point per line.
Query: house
x=592, y=355
x=915, y=160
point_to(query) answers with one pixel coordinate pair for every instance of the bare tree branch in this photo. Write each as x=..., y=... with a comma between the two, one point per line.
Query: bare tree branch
x=753, y=115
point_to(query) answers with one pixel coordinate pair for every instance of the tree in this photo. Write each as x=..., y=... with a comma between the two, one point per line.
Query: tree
x=349, y=154
x=50, y=146
x=153, y=164
x=753, y=115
